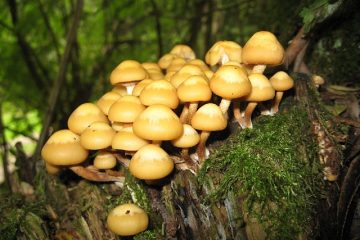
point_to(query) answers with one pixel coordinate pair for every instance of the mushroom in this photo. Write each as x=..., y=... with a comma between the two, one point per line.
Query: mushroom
x=159, y=92
x=229, y=82
x=281, y=82
x=104, y=160
x=153, y=70
x=192, y=91
x=140, y=86
x=106, y=100
x=165, y=61
x=63, y=148
x=125, y=110
x=52, y=169
x=98, y=135
x=127, y=220
x=184, y=73
x=188, y=139
x=151, y=162
x=208, y=118
x=127, y=141
x=262, y=49
x=120, y=89
x=158, y=123
x=83, y=116
x=183, y=51
x=127, y=73
x=222, y=52
x=261, y=91
x=317, y=80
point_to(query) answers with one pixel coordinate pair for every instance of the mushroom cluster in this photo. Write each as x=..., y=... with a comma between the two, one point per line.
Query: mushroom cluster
x=172, y=100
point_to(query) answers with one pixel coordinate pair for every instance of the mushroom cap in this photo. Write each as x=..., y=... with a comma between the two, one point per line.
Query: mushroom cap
x=126, y=140
x=63, y=148
x=159, y=92
x=200, y=63
x=209, y=118
x=126, y=109
x=151, y=162
x=194, y=89
x=281, y=81
x=104, y=160
x=127, y=220
x=151, y=66
x=189, y=138
x=229, y=50
x=140, y=86
x=184, y=73
x=261, y=88
x=98, y=135
x=52, y=169
x=159, y=123
x=155, y=75
x=176, y=64
x=106, y=100
x=230, y=82
x=183, y=51
x=165, y=61
x=128, y=71
x=83, y=116
x=263, y=48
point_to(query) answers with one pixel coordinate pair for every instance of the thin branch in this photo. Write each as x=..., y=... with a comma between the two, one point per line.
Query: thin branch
x=49, y=29
x=54, y=94
x=158, y=27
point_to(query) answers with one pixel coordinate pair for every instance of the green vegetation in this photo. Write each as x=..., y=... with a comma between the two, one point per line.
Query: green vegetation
x=267, y=165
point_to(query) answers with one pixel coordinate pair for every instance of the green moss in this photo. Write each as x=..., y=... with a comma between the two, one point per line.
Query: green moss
x=274, y=166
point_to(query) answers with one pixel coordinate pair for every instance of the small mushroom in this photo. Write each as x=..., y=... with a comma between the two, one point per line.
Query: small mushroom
x=262, y=49
x=127, y=141
x=151, y=162
x=83, y=116
x=208, y=118
x=104, y=160
x=140, y=86
x=183, y=51
x=153, y=69
x=127, y=73
x=63, y=148
x=106, y=100
x=98, y=135
x=261, y=91
x=127, y=220
x=222, y=52
x=281, y=82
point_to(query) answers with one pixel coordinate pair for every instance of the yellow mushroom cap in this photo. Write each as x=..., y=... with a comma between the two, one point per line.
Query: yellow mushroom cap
x=184, y=73
x=83, y=116
x=230, y=82
x=165, y=61
x=126, y=140
x=106, y=100
x=261, y=88
x=128, y=71
x=97, y=135
x=119, y=89
x=189, y=138
x=151, y=162
x=64, y=148
x=183, y=51
x=155, y=75
x=151, y=66
x=194, y=89
x=200, y=63
x=127, y=220
x=176, y=64
x=52, y=169
x=104, y=160
x=281, y=81
x=140, y=86
x=159, y=123
x=209, y=118
x=229, y=50
x=263, y=48
x=126, y=109
x=159, y=92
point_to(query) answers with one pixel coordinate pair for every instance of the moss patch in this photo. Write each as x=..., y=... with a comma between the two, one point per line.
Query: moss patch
x=274, y=165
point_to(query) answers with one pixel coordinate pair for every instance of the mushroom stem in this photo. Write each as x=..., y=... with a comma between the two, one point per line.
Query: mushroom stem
x=258, y=69
x=224, y=105
x=184, y=113
x=94, y=175
x=192, y=109
x=129, y=87
x=204, y=135
x=186, y=156
x=275, y=105
x=248, y=112
x=237, y=113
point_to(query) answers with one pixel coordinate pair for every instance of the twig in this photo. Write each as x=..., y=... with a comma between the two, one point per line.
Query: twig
x=54, y=94
x=4, y=151
x=92, y=174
